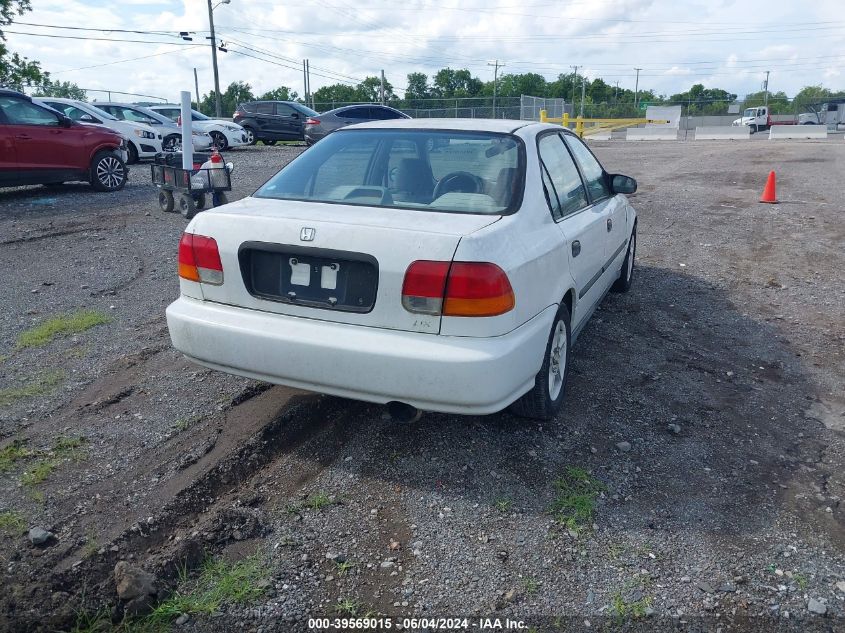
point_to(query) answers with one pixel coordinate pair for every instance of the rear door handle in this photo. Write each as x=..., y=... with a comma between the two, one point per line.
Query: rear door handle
x=576, y=248
x=609, y=224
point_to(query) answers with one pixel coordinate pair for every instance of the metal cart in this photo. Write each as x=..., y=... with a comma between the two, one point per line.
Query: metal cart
x=188, y=189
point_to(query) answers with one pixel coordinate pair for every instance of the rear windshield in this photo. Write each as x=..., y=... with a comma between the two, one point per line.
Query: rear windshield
x=429, y=170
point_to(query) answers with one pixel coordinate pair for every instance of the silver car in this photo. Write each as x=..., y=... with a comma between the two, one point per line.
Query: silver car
x=170, y=132
x=317, y=127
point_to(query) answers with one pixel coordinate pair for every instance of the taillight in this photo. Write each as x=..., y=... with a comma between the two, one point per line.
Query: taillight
x=199, y=259
x=179, y=120
x=467, y=289
x=312, y=121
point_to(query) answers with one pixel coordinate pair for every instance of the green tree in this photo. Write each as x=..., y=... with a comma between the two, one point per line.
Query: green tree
x=238, y=92
x=370, y=90
x=335, y=95
x=417, y=90
x=456, y=84
x=282, y=93
x=16, y=71
x=514, y=85
x=64, y=89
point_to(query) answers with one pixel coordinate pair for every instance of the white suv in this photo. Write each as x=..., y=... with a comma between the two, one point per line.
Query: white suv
x=142, y=140
x=225, y=134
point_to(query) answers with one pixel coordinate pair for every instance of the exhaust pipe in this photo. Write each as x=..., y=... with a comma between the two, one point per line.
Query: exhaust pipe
x=404, y=413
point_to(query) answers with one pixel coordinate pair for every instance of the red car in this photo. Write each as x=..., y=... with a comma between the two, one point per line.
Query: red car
x=39, y=146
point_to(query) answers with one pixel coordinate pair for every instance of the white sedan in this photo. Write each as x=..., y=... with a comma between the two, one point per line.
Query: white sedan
x=443, y=265
x=224, y=134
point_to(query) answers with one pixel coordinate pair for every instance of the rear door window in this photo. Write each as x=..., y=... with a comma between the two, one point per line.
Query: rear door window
x=264, y=108
x=356, y=113
x=283, y=109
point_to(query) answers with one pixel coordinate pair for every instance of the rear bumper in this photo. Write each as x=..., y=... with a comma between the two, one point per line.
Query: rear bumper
x=431, y=372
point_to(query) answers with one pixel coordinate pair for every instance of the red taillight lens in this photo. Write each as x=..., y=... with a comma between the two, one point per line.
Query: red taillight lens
x=469, y=289
x=199, y=259
x=179, y=120
x=312, y=121
x=477, y=289
x=424, y=286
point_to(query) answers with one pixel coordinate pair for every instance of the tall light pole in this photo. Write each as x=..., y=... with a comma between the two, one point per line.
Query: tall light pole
x=574, y=79
x=583, y=88
x=766, y=103
x=495, y=64
x=637, y=89
x=217, y=104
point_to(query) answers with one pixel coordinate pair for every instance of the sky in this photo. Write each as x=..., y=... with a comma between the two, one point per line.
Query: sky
x=723, y=44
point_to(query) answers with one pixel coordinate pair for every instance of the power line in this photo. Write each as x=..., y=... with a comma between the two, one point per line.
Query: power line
x=100, y=39
x=119, y=61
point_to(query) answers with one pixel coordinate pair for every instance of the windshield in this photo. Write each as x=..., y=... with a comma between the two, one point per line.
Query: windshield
x=428, y=170
x=750, y=112
x=198, y=116
x=100, y=113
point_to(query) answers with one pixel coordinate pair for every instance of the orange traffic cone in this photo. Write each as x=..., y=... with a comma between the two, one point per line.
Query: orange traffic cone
x=769, y=191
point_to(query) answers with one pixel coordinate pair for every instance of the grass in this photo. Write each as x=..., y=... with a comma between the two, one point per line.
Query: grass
x=503, y=505
x=318, y=501
x=183, y=424
x=38, y=473
x=801, y=580
x=12, y=523
x=61, y=325
x=575, y=502
x=219, y=582
x=344, y=567
x=63, y=448
x=530, y=585
x=69, y=447
x=629, y=610
x=41, y=385
x=348, y=606
x=12, y=453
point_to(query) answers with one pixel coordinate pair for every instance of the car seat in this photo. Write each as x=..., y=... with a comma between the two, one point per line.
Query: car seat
x=414, y=181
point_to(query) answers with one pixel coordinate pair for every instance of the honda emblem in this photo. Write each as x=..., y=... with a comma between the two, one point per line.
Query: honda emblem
x=307, y=234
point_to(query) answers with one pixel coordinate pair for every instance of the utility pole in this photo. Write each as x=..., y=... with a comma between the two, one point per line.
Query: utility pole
x=616, y=93
x=637, y=89
x=574, y=77
x=217, y=104
x=304, y=83
x=308, y=79
x=495, y=64
x=583, y=88
x=766, y=103
x=381, y=91
x=197, y=86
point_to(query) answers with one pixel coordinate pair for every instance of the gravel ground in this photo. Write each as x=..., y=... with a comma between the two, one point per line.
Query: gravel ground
x=707, y=405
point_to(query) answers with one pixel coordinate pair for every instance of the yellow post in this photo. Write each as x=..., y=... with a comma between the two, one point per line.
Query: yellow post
x=579, y=126
x=544, y=116
x=565, y=121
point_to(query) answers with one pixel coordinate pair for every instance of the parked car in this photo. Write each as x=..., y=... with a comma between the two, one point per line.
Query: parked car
x=39, y=146
x=224, y=134
x=271, y=121
x=317, y=127
x=143, y=140
x=480, y=250
x=171, y=134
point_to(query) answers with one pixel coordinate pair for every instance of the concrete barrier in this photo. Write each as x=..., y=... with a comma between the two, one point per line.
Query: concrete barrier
x=797, y=131
x=723, y=133
x=651, y=134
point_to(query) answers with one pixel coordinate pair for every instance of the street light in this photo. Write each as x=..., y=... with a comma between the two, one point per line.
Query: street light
x=217, y=105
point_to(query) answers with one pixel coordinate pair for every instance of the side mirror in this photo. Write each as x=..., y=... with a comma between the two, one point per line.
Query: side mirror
x=65, y=121
x=623, y=184
x=87, y=118
x=294, y=115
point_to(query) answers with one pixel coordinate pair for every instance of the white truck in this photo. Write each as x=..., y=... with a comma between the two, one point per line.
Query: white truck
x=757, y=118
x=831, y=114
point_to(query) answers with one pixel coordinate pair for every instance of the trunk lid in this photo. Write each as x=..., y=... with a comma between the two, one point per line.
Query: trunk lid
x=332, y=262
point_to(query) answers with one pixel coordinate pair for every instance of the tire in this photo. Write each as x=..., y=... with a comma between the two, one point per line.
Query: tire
x=171, y=143
x=187, y=206
x=753, y=129
x=219, y=140
x=165, y=201
x=250, y=136
x=108, y=172
x=199, y=201
x=133, y=155
x=626, y=274
x=545, y=399
x=269, y=142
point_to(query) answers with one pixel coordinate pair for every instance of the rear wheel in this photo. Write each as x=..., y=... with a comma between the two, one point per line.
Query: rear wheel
x=626, y=275
x=165, y=200
x=753, y=129
x=171, y=143
x=187, y=206
x=546, y=396
x=219, y=140
x=108, y=172
x=269, y=142
x=199, y=200
x=250, y=136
